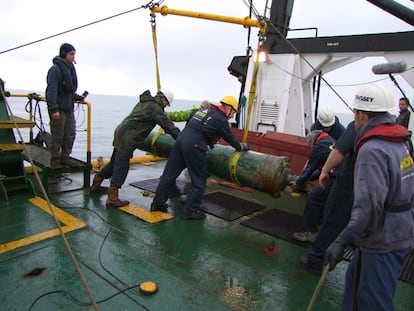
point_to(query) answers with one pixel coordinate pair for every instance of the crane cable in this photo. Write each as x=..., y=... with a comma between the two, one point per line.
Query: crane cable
x=144, y=6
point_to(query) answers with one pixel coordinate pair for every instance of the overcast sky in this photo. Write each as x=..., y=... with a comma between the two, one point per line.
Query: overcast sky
x=117, y=57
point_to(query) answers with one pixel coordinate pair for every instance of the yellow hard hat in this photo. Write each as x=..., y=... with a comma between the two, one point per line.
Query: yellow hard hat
x=231, y=101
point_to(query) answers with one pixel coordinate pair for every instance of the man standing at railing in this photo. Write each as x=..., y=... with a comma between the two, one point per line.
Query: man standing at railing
x=61, y=94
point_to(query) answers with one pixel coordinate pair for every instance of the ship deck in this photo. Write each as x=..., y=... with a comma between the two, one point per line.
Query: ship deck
x=210, y=264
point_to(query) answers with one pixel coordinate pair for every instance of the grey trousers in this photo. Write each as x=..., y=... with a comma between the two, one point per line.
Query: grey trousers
x=63, y=132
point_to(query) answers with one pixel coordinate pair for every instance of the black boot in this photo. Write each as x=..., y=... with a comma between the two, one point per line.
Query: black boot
x=160, y=208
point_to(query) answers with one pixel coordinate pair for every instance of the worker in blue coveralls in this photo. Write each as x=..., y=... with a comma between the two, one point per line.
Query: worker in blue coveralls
x=329, y=123
x=339, y=165
x=321, y=145
x=382, y=218
x=203, y=129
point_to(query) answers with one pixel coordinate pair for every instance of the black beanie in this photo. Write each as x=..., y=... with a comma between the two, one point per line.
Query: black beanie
x=65, y=48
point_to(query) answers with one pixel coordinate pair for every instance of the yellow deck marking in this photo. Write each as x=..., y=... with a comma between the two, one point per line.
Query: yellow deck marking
x=70, y=223
x=11, y=147
x=151, y=217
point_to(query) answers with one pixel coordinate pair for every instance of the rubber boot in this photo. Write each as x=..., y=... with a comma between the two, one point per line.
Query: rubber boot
x=113, y=199
x=96, y=184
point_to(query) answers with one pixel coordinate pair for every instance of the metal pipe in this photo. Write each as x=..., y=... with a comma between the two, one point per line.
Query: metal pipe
x=396, y=9
x=246, y=21
x=263, y=172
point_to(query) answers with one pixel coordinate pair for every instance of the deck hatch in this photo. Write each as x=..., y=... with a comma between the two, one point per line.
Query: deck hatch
x=151, y=185
x=228, y=207
x=277, y=223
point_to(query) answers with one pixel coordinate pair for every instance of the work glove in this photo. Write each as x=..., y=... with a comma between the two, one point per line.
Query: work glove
x=244, y=147
x=294, y=187
x=335, y=253
x=175, y=133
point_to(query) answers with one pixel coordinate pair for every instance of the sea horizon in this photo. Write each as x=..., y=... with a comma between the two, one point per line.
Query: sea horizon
x=107, y=111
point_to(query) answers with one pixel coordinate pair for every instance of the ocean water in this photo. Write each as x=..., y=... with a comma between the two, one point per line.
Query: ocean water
x=107, y=111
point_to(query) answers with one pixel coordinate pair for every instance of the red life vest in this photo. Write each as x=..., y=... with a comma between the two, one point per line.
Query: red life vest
x=321, y=136
x=221, y=108
x=387, y=131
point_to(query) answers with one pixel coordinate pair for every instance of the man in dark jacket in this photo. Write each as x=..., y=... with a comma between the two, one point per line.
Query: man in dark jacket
x=329, y=123
x=404, y=116
x=62, y=84
x=321, y=145
x=203, y=129
x=128, y=136
x=339, y=202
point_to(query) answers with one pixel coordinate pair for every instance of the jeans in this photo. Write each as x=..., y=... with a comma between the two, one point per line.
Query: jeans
x=336, y=216
x=117, y=169
x=315, y=205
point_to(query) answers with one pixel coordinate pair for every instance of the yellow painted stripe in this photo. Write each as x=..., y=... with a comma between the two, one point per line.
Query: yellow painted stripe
x=11, y=147
x=70, y=223
x=151, y=217
x=32, y=239
x=62, y=216
x=30, y=170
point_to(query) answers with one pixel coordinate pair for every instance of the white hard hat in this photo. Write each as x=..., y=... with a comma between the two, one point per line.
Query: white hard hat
x=168, y=94
x=374, y=97
x=326, y=117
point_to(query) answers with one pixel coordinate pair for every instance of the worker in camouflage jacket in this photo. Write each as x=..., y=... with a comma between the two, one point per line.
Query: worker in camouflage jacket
x=128, y=136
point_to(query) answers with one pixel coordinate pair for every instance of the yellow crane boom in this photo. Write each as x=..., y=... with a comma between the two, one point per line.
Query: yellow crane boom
x=245, y=21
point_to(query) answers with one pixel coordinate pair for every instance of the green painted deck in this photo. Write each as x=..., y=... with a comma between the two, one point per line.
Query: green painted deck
x=209, y=264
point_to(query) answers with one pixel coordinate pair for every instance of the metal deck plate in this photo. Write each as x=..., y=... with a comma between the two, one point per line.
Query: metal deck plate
x=151, y=185
x=228, y=207
x=277, y=223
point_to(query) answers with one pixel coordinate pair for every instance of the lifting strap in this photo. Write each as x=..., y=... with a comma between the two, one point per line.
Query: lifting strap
x=252, y=91
x=154, y=41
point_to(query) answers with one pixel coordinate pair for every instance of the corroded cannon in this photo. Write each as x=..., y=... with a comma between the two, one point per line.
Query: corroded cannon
x=264, y=172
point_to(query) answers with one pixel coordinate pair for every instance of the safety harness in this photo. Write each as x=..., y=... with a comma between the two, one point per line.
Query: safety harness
x=318, y=139
x=68, y=84
x=387, y=131
x=200, y=120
